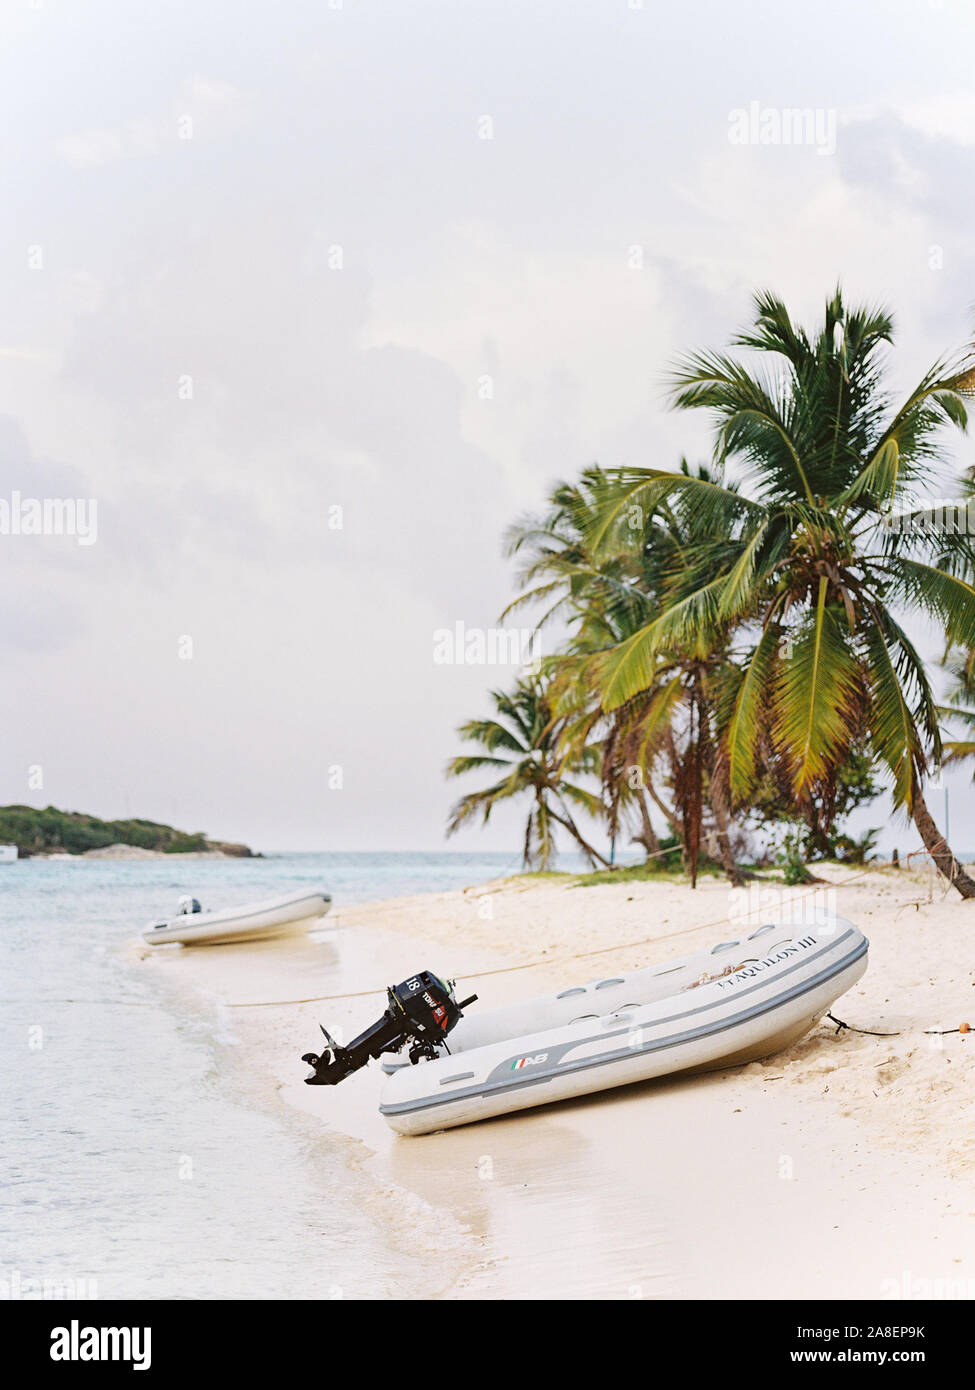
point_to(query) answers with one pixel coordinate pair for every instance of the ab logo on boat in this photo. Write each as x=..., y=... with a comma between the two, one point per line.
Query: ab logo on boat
x=520, y=1062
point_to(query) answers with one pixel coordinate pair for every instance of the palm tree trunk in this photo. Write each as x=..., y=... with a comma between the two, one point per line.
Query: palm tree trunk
x=720, y=798
x=647, y=836
x=938, y=848
x=662, y=807
x=570, y=825
x=526, y=856
x=693, y=799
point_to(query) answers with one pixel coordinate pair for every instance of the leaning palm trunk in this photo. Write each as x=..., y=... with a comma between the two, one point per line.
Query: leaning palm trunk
x=663, y=808
x=591, y=853
x=938, y=847
x=647, y=836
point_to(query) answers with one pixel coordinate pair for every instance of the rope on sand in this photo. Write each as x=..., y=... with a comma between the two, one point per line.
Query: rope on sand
x=531, y=964
x=867, y=1032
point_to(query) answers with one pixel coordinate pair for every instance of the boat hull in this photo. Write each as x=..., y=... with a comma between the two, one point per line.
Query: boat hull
x=263, y=921
x=750, y=1010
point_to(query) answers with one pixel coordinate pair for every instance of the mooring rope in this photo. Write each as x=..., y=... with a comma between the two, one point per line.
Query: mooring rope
x=532, y=964
x=868, y=1032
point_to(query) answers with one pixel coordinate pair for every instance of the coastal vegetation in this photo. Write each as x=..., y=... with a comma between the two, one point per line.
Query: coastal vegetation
x=733, y=640
x=524, y=746
x=50, y=831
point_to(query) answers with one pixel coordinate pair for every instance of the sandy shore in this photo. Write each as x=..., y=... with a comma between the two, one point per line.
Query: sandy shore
x=841, y=1167
x=134, y=852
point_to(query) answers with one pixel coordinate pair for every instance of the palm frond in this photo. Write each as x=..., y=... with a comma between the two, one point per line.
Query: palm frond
x=816, y=696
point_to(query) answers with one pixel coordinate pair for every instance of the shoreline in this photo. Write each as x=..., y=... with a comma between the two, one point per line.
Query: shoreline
x=834, y=1168
x=130, y=854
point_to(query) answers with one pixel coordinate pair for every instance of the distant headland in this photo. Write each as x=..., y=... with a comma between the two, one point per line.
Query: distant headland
x=50, y=831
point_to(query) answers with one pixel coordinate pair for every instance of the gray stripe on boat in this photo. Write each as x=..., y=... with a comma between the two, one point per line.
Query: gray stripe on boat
x=559, y=1050
x=539, y=1075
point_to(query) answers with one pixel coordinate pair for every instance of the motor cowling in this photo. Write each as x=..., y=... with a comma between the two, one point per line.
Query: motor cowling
x=421, y=1011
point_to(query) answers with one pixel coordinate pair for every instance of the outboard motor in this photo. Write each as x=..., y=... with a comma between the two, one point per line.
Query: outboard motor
x=420, y=1011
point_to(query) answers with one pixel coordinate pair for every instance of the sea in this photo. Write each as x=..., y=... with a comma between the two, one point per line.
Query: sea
x=130, y=1168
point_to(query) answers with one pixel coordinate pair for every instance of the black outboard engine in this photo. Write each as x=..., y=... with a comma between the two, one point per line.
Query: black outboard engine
x=420, y=1011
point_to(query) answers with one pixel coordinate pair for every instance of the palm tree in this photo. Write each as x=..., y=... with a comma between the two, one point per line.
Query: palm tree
x=817, y=570
x=523, y=743
x=558, y=572
x=604, y=600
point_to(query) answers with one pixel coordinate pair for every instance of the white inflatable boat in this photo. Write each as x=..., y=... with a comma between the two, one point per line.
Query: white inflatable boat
x=281, y=916
x=735, y=1002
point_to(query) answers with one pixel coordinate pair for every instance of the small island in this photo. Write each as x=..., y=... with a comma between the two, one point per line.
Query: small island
x=49, y=831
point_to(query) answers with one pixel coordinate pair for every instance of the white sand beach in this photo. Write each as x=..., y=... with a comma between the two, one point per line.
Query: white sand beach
x=840, y=1167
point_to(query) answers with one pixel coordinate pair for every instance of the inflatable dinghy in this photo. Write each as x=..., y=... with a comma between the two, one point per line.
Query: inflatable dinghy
x=282, y=916
x=735, y=1002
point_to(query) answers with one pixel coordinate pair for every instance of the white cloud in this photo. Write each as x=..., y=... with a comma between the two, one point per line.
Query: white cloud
x=313, y=386
x=205, y=107
x=947, y=116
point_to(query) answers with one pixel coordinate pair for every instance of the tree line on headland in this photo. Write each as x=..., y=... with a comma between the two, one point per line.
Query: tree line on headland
x=50, y=831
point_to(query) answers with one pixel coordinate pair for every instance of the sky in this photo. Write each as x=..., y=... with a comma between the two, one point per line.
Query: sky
x=313, y=299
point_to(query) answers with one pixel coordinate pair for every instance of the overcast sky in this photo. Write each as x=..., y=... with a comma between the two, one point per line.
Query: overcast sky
x=313, y=299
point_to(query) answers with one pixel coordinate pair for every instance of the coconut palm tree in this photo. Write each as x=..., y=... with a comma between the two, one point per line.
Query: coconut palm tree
x=820, y=567
x=557, y=573
x=523, y=744
x=603, y=601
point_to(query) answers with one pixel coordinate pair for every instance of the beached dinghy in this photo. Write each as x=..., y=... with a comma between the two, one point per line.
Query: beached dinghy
x=282, y=916
x=734, y=1002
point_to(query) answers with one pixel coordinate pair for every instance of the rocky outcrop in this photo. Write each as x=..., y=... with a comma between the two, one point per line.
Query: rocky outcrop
x=234, y=851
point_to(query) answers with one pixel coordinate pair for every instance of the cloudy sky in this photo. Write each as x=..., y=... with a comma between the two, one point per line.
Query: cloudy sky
x=314, y=298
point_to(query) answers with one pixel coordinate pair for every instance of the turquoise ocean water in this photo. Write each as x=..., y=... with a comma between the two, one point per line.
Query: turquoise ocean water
x=107, y=1083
